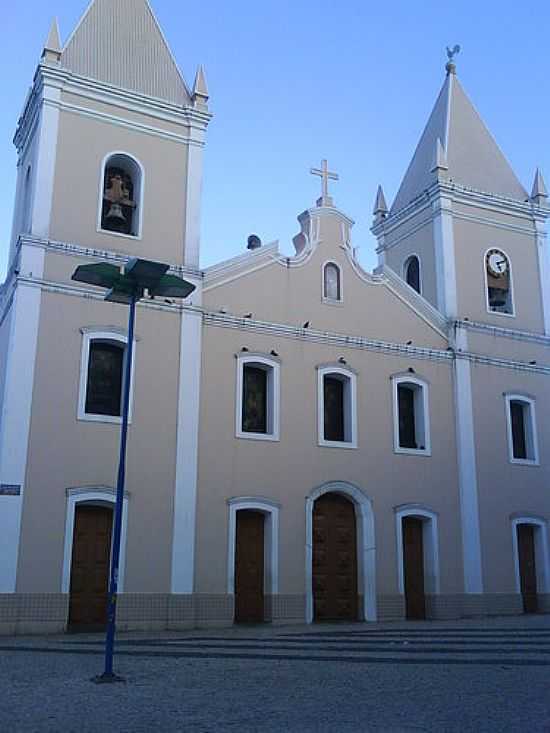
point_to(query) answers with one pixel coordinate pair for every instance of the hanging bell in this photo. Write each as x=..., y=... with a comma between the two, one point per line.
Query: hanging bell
x=115, y=212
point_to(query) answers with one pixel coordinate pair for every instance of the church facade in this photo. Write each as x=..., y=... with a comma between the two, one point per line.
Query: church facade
x=308, y=441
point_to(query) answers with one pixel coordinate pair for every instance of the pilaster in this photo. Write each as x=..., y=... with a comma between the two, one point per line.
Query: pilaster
x=544, y=272
x=185, y=490
x=467, y=467
x=444, y=246
x=16, y=412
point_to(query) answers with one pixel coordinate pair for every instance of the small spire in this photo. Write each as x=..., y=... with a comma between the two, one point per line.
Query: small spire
x=52, y=47
x=440, y=158
x=450, y=66
x=380, y=210
x=200, y=89
x=539, y=194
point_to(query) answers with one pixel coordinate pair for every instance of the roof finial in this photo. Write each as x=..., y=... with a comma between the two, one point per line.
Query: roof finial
x=450, y=66
x=200, y=94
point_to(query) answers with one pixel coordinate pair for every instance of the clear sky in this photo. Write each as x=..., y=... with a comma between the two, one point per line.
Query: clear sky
x=294, y=82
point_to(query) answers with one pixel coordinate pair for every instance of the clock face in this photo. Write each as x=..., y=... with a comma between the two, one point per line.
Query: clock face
x=497, y=264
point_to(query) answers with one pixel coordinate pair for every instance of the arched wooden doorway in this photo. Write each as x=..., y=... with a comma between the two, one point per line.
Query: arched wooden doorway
x=90, y=567
x=334, y=574
x=249, y=566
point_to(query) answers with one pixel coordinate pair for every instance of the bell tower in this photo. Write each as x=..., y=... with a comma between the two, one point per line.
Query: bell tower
x=111, y=140
x=459, y=211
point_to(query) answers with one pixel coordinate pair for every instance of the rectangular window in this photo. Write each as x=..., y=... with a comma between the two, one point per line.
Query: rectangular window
x=519, y=438
x=104, y=384
x=334, y=409
x=254, y=405
x=407, y=422
x=522, y=430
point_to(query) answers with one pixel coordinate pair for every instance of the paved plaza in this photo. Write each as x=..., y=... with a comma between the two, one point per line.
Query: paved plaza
x=474, y=675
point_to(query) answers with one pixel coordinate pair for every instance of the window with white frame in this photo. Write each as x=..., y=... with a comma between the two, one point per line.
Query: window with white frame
x=337, y=409
x=121, y=192
x=498, y=276
x=522, y=429
x=411, y=272
x=332, y=282
x=258, y=396
x=411, y=415
x=102, y=370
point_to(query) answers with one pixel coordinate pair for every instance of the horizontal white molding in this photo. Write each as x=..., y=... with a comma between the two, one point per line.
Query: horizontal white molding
x=509, y=333
x=462, y=195
x=96, y=91
x=77, y=250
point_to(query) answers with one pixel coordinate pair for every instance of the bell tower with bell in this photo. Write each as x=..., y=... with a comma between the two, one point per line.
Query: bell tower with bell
x=110, y=141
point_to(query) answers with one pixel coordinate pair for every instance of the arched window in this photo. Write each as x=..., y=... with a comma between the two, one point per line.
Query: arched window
x=121, y=189
x=411, y=271
x=332, y=286
x=499, y=282
x=258, y=397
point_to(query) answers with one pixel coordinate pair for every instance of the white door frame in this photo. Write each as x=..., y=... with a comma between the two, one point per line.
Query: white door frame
x=542, y=552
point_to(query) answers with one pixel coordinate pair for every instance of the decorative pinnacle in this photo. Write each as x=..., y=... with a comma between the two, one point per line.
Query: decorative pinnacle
x=380, y=210
x=440, y=158
x=539, y=194
x=200, y=88
x=450, y=66
x=52, y=47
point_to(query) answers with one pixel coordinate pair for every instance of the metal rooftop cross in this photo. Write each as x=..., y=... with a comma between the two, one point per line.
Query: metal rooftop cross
x=325, y=176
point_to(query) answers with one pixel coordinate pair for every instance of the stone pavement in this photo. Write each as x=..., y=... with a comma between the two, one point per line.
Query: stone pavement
x=470, y=675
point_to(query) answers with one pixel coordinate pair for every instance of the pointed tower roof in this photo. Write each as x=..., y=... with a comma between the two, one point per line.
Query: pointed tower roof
x=472, y=156
x=120, y=42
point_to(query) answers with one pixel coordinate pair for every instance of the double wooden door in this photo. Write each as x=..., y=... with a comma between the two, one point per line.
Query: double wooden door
x=334, y=559
x=413, y=568
x=90, y=568
x=527, y=567
x=249, y=567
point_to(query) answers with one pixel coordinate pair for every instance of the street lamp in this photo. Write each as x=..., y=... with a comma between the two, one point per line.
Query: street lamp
x=127, y=286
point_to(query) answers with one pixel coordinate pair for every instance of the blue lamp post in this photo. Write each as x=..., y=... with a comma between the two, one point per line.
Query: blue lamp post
x=127, y=287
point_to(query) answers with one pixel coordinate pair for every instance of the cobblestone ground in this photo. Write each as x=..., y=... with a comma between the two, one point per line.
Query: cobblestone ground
x=476, y=675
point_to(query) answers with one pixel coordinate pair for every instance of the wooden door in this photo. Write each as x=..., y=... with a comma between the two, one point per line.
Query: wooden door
x=527, y=567
x=334, y=559
x=90, y=568
x=249, y=567
x=413, y=568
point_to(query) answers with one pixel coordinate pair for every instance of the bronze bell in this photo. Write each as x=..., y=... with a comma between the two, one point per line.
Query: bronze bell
x=115, y=212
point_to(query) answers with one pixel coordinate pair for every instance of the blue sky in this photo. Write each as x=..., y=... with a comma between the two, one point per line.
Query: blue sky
x=292, y=83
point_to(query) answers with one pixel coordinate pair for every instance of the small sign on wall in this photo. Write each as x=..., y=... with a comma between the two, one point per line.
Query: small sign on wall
x=10, y=490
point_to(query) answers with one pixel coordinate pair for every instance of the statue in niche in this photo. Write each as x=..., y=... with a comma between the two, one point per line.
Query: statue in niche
x=118, y=205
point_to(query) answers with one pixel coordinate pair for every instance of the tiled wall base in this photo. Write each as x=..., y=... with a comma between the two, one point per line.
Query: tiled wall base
x=285, y=608
x=46, y=613
x=33, y=613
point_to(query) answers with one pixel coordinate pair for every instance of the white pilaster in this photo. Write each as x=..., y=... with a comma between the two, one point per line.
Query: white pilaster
x=16, y=413
x=544, y=273
x=193, y=198
x=445, y=257
x=467, y=469
x=185, y=497
x=45, y=164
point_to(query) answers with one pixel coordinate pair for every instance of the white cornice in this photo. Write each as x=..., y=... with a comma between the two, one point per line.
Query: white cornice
x=93, y=90
x=462, y=195
x=501, y=332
